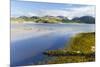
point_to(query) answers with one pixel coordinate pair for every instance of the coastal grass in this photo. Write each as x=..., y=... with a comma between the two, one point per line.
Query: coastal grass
x=81, y=48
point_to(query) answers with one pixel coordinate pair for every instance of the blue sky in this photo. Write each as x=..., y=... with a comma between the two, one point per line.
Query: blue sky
x=28, y=8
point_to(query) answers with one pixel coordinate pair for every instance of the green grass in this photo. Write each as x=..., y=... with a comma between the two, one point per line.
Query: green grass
x=83, y=42
x=81, y=48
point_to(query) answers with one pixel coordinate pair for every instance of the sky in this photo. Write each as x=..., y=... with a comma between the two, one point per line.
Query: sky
x=29, y=8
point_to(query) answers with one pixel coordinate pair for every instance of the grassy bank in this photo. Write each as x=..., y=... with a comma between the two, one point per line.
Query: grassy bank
x=81, y=48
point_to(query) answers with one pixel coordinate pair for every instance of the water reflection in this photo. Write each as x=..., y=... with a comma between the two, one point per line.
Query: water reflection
x=27, y=49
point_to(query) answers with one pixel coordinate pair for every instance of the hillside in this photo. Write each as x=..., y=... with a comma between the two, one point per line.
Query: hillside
x=54, y=19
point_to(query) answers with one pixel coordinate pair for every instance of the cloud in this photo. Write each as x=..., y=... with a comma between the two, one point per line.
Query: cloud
x=68, y=12
x=73, y=12
x=89, y=10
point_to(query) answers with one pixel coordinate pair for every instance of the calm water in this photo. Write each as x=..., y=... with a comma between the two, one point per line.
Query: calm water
x=27, y=51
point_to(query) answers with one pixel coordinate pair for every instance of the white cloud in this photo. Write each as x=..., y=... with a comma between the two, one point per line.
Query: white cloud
x=89, y=10
x=75, y=12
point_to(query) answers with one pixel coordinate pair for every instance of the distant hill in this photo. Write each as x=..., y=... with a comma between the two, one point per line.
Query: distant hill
x=85, y=19
x=55, y=19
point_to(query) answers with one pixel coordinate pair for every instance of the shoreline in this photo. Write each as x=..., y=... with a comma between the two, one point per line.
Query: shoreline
x=72, y=51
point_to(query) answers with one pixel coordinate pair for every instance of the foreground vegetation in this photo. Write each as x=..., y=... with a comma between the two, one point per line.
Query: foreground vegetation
x=53, y=19
x=81, y=48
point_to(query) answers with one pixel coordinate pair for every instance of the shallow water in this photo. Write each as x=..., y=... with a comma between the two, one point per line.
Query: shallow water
x=27, y=49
